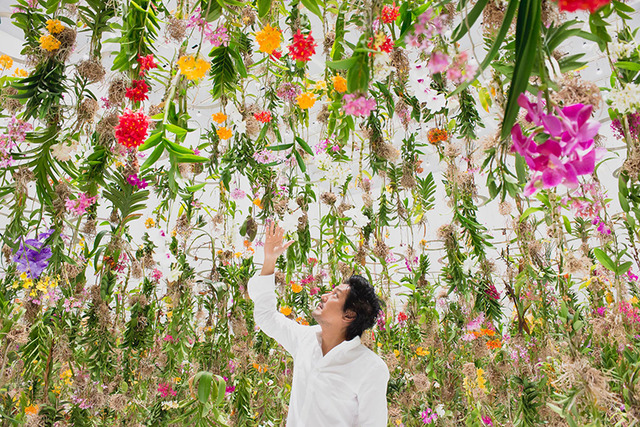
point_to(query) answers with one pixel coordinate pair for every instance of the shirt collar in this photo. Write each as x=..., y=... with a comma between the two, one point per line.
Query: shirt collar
x=342, y=348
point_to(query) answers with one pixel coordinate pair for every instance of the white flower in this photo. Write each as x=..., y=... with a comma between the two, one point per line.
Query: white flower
x=440, y=410
x=381, y=66
x=359, y=219
x=625, y=100
x=436, y=384
x=289, y=221
x=63, y=151
x=174, y=274
x=169, y=404
x=621, y=50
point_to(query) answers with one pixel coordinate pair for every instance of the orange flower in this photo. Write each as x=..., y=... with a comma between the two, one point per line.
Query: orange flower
x=19, y=72
x=224, y=133
x=493, y=344
x=193, y=68
x=219, y=117
x=488, y=332
x=54, y=26
x=6, y=62
x=302, y=321
x=259, y=368
x=339, y=84
x=31, y=410
x=420, y=351
x=257, y=202
x=296, y=288
x=49, y=43
x=437, y=136
x=269, y=39
x=286, y=310
x=306, y=100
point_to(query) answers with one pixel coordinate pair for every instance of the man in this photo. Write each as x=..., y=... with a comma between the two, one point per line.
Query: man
x=337, y=381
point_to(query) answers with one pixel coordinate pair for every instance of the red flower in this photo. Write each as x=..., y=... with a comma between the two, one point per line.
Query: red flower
x=263, y=116
x=389, y=13
x=138, y=91
x=381, y=42
x=573, y=5
x=276, y=54
x=402, y=317
x=146, y=63
x=132, y=128
x=302, y=47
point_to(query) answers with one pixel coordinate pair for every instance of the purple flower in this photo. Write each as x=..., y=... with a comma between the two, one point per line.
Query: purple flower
x=486, y=420
x=32, y=257
x=428, y=416
x=568, y=152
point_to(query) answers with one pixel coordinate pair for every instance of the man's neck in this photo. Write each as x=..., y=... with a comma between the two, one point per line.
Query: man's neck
x=331, y=339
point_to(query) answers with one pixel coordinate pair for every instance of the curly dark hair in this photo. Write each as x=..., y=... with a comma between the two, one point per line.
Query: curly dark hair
x=362, y=300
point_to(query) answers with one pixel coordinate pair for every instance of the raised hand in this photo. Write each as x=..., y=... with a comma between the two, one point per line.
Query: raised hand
x=273, y=244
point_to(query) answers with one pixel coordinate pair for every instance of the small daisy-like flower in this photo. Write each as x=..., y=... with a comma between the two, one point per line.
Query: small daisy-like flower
x=263, y=116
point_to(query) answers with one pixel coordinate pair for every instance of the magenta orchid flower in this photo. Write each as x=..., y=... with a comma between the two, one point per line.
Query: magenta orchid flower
x=568, y=153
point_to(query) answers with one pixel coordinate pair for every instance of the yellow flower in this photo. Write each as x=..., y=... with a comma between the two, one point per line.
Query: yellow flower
x=302, y=321
x=224, y=133
x=31, y=410
x=268, y=39
x=633, y=300
x=396, y=353
x=481, y=381
x=286, y=310
x=54, y=26
x=49, y=43
x=339, y=84
x=192, y=68
x=420, y=351
x=149, y=223
x=219, y=117
x=306, y=100
x=257, y=202
x=296, y=288
x=321, y=85
x=66, y=377
x=6, y=62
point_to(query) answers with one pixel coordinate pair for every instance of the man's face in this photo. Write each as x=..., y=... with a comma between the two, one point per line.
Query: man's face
x=330, y=310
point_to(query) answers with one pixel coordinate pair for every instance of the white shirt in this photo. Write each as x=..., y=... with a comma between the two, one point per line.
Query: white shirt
x=347, y=387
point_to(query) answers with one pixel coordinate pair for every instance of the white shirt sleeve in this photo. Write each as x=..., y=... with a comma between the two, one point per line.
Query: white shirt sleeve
x=273, y=323
x=372, y=398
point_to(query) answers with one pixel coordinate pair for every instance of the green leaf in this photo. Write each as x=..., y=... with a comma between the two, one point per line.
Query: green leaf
x=468, y=21
x=303, y=167
x=343, y=64
x=280, y=147
x=152, y=141
x=263, y=8
x=623, y=268
x=204, y=386
x=190, y=158
x=175, y=129
x=358, y=74
x=194, y=188
x=527, y=36
x=626, y=65
x=312, y=6
x=155, y=155
x=529, y=211
x=304, y=145
x=604, y=259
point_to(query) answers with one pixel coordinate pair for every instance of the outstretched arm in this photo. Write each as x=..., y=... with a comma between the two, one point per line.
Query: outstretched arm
x=262, y=292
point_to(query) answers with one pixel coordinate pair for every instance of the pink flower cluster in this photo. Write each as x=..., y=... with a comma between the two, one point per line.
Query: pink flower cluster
x=428, y=26
x=79, y=206
x=358, y=105
x=601, y=226
x=137, y=182
x=217, y=37
x=16, y=132
x=588, y=200
x=238, y=194
x=633, y=120
x=428, y=416
x=459, y=70
x=288, y=91
x=632, y=313
x=569, y=150
x=266, y=156
x=165, y=390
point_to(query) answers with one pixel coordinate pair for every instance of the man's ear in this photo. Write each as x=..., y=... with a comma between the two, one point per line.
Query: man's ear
x=349, y=315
